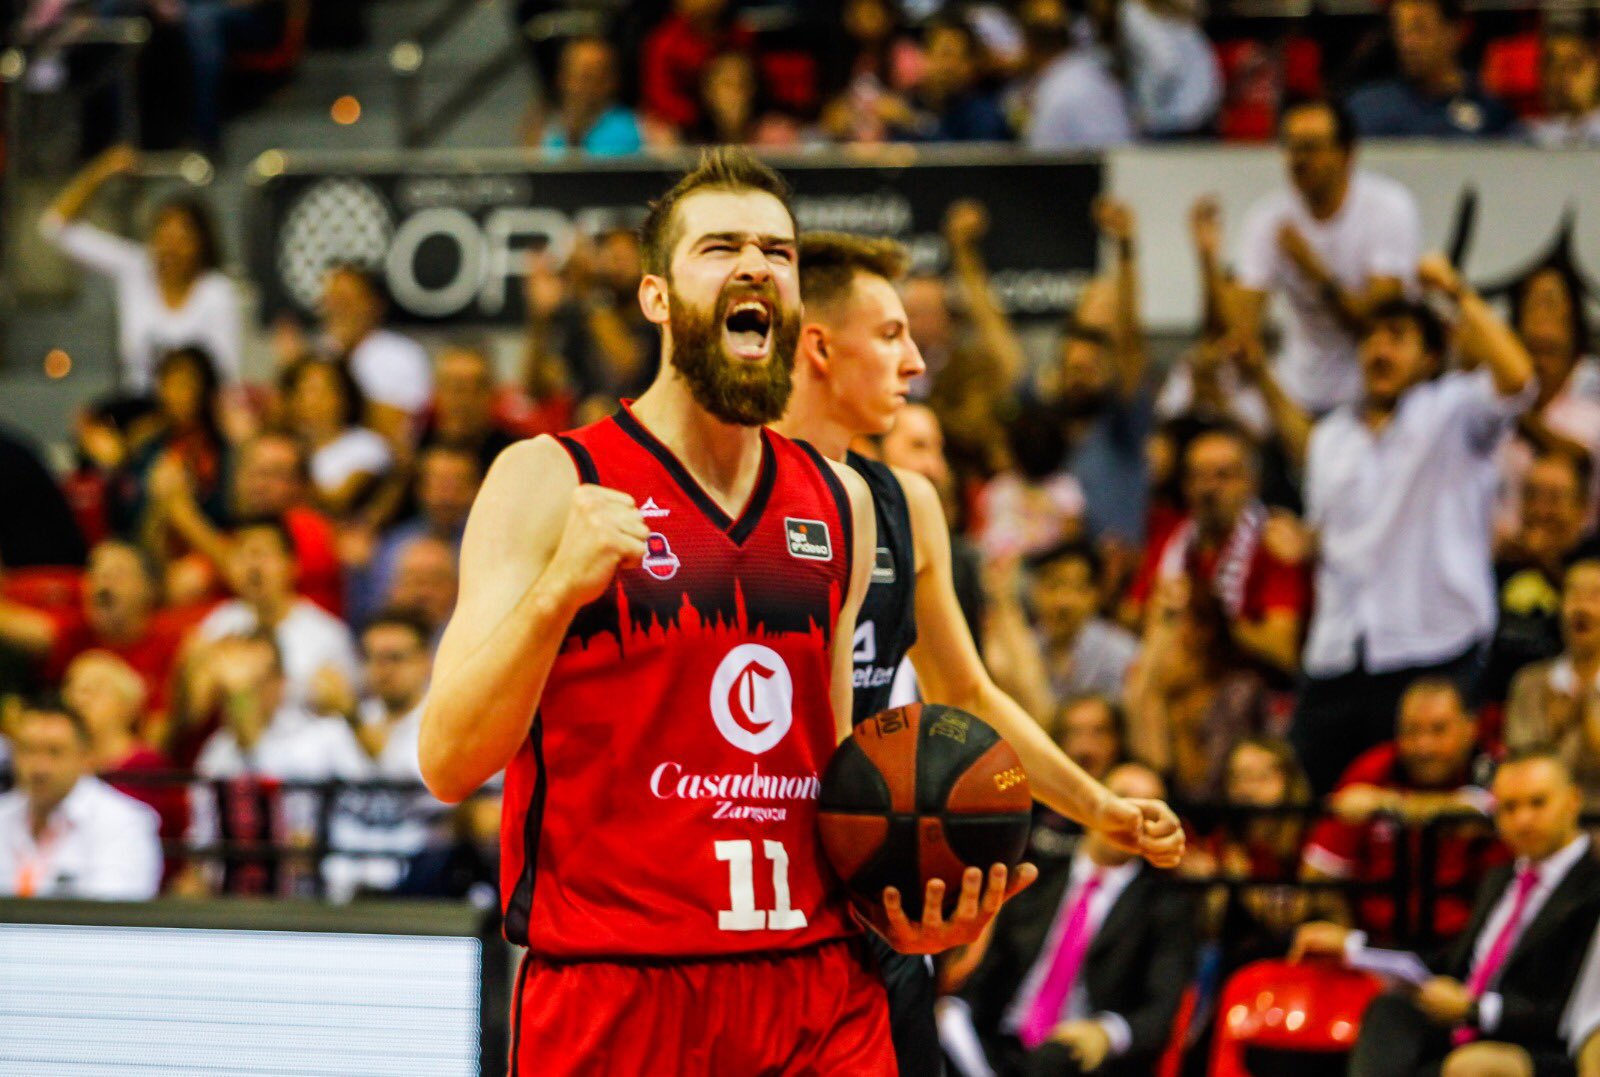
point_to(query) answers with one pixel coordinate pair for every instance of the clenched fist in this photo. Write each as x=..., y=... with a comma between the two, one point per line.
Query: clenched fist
x=604, y=532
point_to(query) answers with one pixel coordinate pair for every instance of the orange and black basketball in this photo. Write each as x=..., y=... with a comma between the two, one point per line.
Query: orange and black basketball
x=917, y=793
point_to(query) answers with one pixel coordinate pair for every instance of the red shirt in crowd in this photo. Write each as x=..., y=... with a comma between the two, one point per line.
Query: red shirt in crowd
x=1270, y=584
x=317, y=553
x=1372, y=851
x=169, y=799
x=152, y=655
x=674, y=55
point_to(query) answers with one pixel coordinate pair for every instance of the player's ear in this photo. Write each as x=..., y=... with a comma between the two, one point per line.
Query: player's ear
x=653, y=299
x=813, y=348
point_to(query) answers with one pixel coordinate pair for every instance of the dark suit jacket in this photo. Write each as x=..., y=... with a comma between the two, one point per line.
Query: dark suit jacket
x=1138, y=963
x=1538, y=976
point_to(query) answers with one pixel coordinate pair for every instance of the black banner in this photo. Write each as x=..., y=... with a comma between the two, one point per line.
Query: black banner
x=449, y=243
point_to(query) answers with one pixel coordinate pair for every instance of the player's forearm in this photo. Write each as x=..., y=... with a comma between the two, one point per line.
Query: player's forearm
x=1057, y=781
x=480, y=708
x=994, y=328
x=1127, y=333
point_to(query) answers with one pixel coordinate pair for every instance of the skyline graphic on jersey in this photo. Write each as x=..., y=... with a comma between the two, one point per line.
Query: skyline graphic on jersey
x=598, y=630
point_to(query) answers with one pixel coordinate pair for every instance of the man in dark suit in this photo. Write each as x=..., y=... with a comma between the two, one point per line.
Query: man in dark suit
x=1084, y=970
x=1495, y=1005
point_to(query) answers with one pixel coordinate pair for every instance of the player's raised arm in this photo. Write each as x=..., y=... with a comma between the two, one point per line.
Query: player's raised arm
x=538, y=546
x=864, y=522
x=950, y=671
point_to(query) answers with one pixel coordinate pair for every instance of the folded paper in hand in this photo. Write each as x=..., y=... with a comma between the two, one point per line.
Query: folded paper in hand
x=1402, y=965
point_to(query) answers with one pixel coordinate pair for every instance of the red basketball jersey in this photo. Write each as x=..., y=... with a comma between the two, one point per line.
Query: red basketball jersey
x=664, y=804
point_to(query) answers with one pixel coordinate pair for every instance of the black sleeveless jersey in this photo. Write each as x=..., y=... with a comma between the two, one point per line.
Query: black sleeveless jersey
x=887, y=625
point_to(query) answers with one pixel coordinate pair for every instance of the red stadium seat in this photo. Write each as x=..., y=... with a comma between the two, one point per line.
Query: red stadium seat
x=1312, y=1008
x=1258, y=76
x=1511, y=71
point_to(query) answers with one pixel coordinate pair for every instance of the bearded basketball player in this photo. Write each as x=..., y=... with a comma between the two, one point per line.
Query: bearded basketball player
x=855, y=363
x=653, y=640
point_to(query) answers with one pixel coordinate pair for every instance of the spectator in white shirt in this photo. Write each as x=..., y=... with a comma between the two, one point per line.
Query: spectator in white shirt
x=170, y=292
x=397, y=647
x=264, y=735
x=392, y=369
x=63, y=832
x=323, y=405
x=261, y=570
x=1400, y=490
x=1335, y=243
x=1569, y=68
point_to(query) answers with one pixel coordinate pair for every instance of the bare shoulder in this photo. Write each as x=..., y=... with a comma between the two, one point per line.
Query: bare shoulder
x=523, y=498
x=922, y=498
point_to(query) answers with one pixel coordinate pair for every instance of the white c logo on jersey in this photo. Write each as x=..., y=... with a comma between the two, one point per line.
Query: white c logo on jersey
x=752, y=698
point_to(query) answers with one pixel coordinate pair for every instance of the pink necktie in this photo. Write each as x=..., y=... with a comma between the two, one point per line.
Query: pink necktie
x=1500, y=949
x=1046, y=1008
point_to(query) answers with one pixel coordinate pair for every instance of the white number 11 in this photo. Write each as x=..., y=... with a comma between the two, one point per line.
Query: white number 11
x=744, y=916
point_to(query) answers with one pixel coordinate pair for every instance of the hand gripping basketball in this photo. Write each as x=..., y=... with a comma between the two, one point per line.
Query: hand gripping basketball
x=604, y=531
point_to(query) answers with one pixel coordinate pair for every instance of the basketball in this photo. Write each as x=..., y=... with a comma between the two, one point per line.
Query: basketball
x=917, y=793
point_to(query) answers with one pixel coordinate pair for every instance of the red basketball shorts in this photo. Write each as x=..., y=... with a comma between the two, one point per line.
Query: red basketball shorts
x=819, y=1011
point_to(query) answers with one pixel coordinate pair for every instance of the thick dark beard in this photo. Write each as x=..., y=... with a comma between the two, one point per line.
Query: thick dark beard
x=732, y=389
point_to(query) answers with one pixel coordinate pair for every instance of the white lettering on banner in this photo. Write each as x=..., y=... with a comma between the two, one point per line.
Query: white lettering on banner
x=885, y=213
x=453, y=296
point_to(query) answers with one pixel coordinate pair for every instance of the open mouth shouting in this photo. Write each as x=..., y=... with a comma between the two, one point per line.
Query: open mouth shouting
x=747, y=328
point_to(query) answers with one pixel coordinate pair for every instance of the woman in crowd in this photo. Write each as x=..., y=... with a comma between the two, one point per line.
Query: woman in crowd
x=733, y=108
x=323, y=406
x=184, y=428
x=1191, y=696
x=170, y=292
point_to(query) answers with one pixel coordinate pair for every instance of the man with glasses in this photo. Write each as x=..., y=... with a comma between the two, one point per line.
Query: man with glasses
x=1335, y=243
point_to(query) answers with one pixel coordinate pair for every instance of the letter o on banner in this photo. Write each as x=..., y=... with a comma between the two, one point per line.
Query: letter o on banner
x=454, y=295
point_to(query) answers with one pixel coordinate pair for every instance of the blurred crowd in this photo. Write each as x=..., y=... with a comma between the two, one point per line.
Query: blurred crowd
x=1051, y=74
x=1314, y=580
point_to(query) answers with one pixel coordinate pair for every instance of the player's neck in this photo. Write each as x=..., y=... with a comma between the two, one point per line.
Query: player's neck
x=808, y=420
x=724, y=458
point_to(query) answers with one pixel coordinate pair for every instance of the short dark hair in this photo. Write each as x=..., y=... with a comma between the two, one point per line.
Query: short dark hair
x=1114, y=711
x=1344, y=126
x=274, y=524
x=1582, y=467
x=51, y=703
x=1400, y=309
x=1536, y=753
x=1451, y=10
x=1068, y=550
x=1235, y=433
x=401, y=617
x=725, y=168
x=830, y=261
x=1435, y=685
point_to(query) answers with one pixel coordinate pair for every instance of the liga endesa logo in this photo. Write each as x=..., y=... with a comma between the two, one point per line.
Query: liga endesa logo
x=752, y=698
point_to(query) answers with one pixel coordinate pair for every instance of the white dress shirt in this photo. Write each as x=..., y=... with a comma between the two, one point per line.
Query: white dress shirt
x=309, y=638
x=1113, y=882
x=387, y=821
x=146, y=327
x=1377, y=232
x=1404, y=516
x=1552, y=870
x=98, y=843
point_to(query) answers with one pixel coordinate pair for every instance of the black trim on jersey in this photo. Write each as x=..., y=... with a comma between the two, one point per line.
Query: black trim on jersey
x=841, y=502
x=519, y=910
x=516, y=1010
x=736, y=530
x=580, y=459
x=890, y=606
